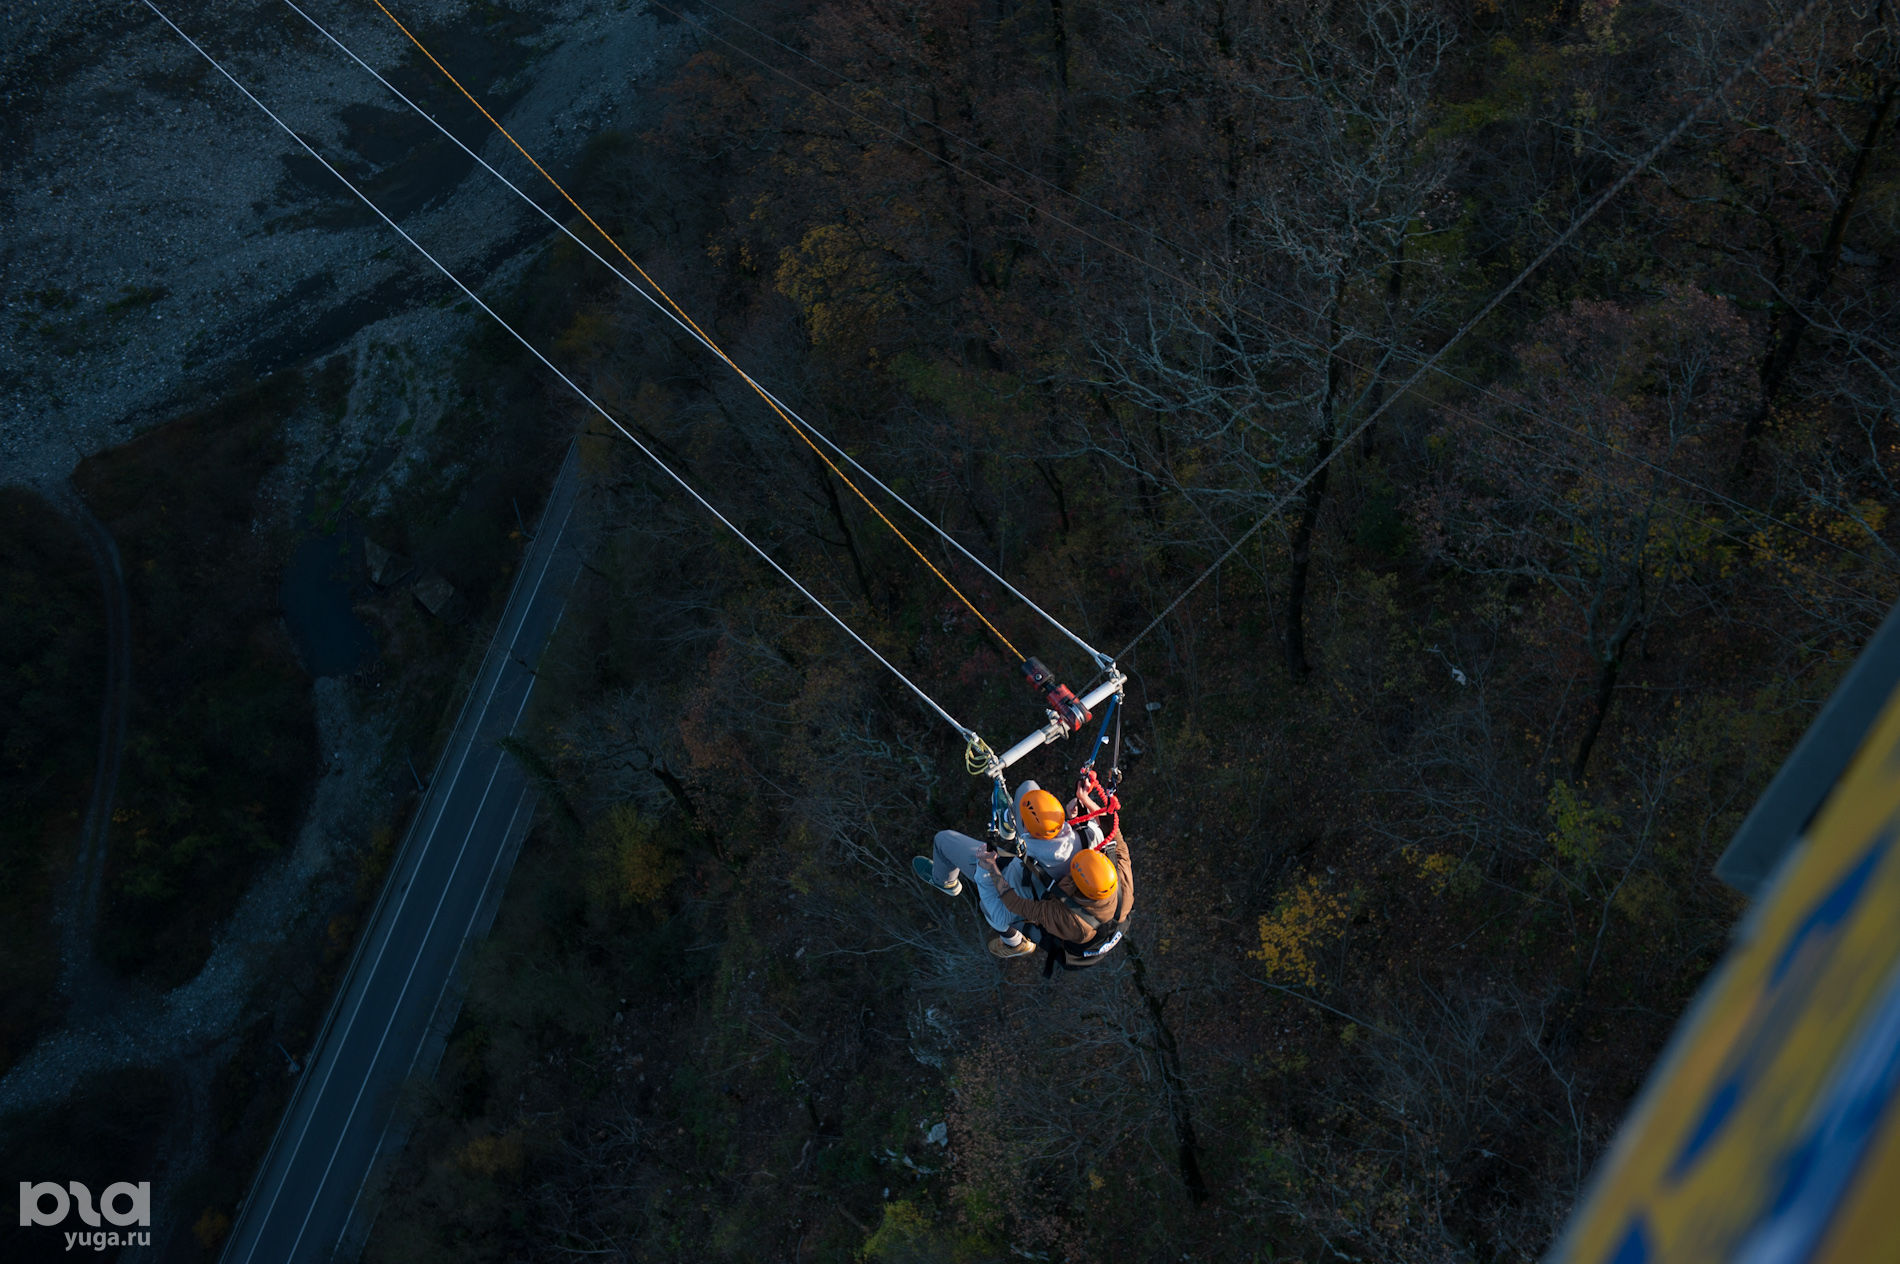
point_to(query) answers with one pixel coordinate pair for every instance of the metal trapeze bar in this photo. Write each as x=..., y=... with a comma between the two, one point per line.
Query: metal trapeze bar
x=1055, y=730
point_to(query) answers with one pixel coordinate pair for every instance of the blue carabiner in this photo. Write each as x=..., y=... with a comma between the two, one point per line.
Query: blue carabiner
x=1001, y=820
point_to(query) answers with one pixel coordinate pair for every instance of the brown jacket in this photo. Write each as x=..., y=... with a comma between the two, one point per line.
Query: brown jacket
x=1055, y=916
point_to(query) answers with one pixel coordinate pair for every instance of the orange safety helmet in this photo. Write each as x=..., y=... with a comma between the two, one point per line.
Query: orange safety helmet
x=1041, y=814
x=1094, y=874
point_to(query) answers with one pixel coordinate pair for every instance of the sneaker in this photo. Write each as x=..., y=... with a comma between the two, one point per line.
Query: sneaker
x=923, y=868
x=999, y=947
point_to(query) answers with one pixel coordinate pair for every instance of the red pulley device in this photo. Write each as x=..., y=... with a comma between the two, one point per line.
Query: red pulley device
x=1060, y=698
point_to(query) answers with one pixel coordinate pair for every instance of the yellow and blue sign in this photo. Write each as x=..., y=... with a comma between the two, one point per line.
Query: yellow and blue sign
x=1770, y=1134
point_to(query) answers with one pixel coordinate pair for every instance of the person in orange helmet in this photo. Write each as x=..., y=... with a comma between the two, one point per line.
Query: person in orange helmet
x=1048, y=840
x=1081, y=916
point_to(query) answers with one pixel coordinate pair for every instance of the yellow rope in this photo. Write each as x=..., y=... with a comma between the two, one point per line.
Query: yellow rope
x=681, y=312
x=977, y=756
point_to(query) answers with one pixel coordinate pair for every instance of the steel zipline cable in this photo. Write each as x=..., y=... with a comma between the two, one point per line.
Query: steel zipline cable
x=673, y=312
x=798, y=425
x=680, y=317
x=969, y=735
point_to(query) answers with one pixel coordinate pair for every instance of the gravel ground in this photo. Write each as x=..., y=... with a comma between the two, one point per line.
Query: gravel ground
x=161, y=231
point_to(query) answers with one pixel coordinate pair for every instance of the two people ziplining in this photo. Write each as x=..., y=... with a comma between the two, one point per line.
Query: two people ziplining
x=1087, y=883
x=1068, y=887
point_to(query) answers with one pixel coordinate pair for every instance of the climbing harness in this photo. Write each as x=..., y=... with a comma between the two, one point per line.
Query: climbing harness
x=1068, y=953
x=1074, y=956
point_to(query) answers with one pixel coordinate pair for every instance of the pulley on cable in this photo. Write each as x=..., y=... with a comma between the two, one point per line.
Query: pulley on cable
x=1050, y=877
x=1067, y=714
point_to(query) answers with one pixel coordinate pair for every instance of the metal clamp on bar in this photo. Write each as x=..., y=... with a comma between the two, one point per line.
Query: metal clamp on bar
x=1060, y=699
x=1057, y=728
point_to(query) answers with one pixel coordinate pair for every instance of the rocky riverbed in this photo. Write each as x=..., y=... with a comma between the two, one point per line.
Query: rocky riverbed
x=163, y=233
x=164, y=241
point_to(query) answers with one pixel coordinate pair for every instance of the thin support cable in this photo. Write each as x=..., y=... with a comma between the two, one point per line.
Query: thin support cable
x=1636, y=168
x=658, y=289
x=783, y=409
x=691, y=329
x=1228, y=271
x=967, y=734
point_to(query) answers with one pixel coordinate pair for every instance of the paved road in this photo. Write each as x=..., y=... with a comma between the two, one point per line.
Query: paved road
x=478, y=806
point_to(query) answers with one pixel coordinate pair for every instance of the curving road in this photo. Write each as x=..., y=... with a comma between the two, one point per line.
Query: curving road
x=400, y=993
x=81, y=982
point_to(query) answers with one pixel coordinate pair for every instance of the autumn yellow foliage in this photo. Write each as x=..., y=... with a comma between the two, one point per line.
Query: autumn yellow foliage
x=1307, y=918
x=633, y=866
x=492, y=1156
x=833, y=277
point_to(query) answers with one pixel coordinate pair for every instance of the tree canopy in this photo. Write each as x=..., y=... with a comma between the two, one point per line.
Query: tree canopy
x=1432, y=772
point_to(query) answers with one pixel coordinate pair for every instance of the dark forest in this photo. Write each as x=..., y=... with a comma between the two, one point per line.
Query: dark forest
x=1471, y=427
x=1431, y=773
